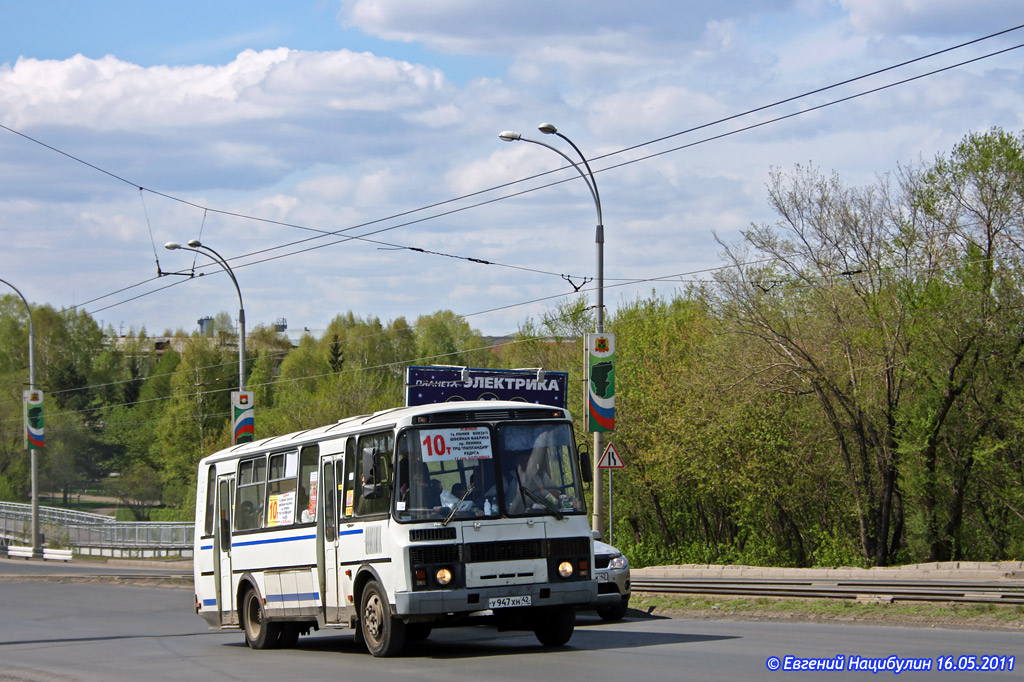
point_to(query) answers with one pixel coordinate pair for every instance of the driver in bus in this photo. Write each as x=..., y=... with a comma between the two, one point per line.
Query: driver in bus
x=531, y=472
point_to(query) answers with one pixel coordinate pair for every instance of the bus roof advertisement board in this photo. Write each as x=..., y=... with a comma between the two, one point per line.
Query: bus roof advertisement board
x=426, y=385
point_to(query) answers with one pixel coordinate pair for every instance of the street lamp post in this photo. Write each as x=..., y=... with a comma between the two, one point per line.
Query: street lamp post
x=597, y=520
x=198, y=247
x=37, y=550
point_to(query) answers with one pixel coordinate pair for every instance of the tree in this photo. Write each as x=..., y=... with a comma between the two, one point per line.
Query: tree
x=970, y=331
x=444, y=338
x=819, y=292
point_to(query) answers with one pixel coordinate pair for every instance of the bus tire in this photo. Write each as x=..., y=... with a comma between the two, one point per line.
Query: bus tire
x=554, y=627
x=259, y=632
x=383, y=634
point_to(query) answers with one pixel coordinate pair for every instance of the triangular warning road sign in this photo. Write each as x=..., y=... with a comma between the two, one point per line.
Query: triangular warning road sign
x=610, y=459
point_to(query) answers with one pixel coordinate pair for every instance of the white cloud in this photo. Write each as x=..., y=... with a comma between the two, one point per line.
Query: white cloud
x=108, y=94
x=936, y=17
x=336, y=139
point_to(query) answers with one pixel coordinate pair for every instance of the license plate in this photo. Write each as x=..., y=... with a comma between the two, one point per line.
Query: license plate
x=602, y=577
x=505, y=602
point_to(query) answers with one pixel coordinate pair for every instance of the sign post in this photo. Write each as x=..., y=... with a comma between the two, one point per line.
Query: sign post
x=610, y=460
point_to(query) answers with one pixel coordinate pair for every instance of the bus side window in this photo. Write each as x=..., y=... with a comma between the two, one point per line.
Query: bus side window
x=373, y=471
x=211, y=509
x=252, y=477
x=225, y=515
x=350, y=476
x=309, y=487
x=282, y=504
x=330, y=518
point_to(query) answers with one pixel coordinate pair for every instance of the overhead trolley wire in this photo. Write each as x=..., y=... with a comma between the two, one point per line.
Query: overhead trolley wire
x=364, y=237
x=321, y=234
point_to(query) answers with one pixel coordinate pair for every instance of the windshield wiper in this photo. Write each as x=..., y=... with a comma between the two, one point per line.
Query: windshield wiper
x=455, y=508
x=543, y=502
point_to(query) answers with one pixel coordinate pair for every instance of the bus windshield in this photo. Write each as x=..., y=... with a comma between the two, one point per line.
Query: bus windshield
x=538, y=472
x=453, y=472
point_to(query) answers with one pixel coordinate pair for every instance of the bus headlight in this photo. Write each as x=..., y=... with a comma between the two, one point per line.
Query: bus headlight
x=565, y=569
x=443, y=576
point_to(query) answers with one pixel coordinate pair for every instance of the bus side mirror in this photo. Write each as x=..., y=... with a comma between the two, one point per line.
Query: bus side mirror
x=583, y=452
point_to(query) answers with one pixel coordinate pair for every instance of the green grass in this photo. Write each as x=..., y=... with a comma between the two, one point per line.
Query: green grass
x=994, y=615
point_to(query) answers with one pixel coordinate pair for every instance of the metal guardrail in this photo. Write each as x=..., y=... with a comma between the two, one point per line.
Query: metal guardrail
x=86, y=530
x=131, y=534
x=52, y=515
x=1001, y=592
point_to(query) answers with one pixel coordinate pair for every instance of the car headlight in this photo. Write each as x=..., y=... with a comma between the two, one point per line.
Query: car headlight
x=619, y=561
x=565, y=569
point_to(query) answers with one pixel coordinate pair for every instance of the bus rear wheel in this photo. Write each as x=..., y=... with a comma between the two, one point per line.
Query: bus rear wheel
x=383, y=634
x=259, y=632
x=555, y=627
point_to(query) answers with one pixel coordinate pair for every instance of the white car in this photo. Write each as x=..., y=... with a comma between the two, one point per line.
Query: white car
x=611, y=568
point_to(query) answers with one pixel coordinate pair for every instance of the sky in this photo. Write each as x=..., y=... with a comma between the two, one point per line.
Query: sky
x=343, y=155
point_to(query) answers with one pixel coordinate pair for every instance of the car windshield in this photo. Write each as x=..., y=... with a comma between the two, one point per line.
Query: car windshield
x=450, y=472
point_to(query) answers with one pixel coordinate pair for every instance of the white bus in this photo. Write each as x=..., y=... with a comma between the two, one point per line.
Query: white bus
x=396, y=523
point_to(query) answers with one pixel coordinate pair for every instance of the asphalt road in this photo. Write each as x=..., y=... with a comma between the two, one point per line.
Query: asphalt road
x=54, y=631
x=85, y=567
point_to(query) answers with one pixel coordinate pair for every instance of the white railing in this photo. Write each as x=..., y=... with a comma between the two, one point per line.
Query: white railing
x=52, y=515
x=165, y=535
x=85, y=531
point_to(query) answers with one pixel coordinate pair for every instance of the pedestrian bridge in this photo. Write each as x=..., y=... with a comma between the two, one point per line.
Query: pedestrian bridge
x=95, y=534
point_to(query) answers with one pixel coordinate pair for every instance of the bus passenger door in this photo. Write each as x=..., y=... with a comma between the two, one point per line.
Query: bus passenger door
x=333, y=601
x=222, y=550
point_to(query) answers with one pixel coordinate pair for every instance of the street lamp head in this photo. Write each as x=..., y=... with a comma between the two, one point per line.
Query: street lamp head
x=172, y=246
x=194, y=243
x=547, y=128
x=510, y=135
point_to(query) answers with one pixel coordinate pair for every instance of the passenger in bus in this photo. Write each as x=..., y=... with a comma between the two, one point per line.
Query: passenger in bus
x=306, y=515
x=453, y=498
x=422, y=491
x=246, y=516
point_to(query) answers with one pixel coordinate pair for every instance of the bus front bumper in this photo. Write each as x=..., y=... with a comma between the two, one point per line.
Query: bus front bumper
x=439, y=602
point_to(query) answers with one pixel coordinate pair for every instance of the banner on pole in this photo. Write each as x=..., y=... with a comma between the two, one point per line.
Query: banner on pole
x=600, y=367
x=34, y=438
x=243, y=407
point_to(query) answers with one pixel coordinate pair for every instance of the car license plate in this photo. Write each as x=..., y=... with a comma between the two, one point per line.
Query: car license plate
x=602, y=577
x=505, y=602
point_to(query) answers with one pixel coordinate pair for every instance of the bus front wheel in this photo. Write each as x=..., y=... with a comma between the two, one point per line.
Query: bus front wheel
x=554, y=627
x=259, y=632
x=383, y=634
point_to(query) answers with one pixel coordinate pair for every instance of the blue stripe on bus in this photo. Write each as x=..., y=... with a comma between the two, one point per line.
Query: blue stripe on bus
x=295, y=596
x=272, y=541
x=297, y=537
